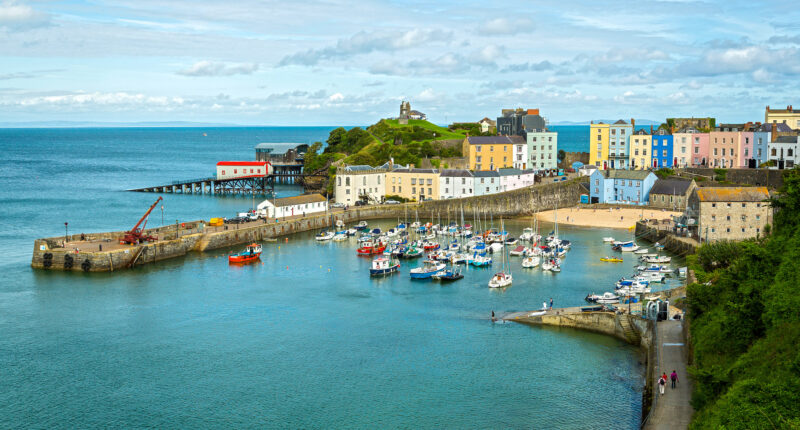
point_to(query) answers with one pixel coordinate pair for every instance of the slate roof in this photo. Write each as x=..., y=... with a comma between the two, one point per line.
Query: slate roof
x=299, y=200
x=407, y=170
x=780, y=127
x=486, y=174
x=495, y=140
x=638, y=175
x=620, y=122
x=509, y=171
x=358, y=168
x=457, y=173
x=641, y=132
x=786, y=139
x=670, y=186
x=732, y=194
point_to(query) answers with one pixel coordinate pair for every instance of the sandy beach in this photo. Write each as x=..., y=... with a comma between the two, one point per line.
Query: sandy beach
x=623, y=217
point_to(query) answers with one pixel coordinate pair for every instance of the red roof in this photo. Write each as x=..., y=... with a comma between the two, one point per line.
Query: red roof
x=533, y=111
x=242, y=163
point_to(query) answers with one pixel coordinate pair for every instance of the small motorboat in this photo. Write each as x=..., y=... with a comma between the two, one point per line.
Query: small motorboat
x=376, y=232
x=480, y=260
x=340, y=236
x=607, y=298
x=449, y=275
x=392, y=232
x=500, y=280
x=611, y=260
x=428, y=269
x=608, y=239
x=520, y=250
x=658, y=259
x=382, y=266
x=412, y=252
x=430, y=246
x=496, y=246
x=530, y=262
x=461, y=258
x=352, y=231
x=324, y=235
x=527, y=234
x=361, y=225
x=641, y=251
x=371, y=248
x=511, y=241
x=249, y=255
x=658, y=245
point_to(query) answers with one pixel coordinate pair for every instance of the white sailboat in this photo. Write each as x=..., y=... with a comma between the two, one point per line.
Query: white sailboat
x=503, y=278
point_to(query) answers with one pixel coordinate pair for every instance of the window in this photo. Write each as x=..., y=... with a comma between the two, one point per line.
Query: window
x=413, y=181
x=413, y=190
x=477, y=148
x=744, y=205
x=393, y=188
x=696, y=151
x=491, y=148
x=713, y=205
x=758, y=217
x=727, y=229
x=430, y=191
x=729, y=205
x=339, y=180
x=347, y=181
x=744, y=217
x=664, y=152
x=447, y=180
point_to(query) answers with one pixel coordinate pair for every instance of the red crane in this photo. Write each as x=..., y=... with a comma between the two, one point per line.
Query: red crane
x=135, y=234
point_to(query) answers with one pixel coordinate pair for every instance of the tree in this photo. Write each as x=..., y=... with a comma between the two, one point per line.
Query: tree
x=562, y=155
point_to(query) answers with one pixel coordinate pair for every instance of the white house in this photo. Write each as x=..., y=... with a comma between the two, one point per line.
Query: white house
x=243, y=169
x=487, y=124
x=783, y=151
x=542, y=150
x=587, y=170
x=455, y=183
x=511, y=179
x=486, y=182
x=520, y=155
x=354, y=183
x=291, y=206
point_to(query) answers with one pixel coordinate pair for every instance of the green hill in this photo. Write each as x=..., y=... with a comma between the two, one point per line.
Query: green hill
x=744, y=316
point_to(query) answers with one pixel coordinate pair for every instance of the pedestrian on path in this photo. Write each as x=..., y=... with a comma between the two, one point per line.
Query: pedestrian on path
x=551, y=303
x=662, y=382
x=674, y=377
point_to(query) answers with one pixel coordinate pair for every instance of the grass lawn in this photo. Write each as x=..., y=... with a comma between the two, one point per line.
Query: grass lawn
x=441, y=132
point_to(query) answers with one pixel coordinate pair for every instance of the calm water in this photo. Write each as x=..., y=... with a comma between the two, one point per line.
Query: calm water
x=303, y=340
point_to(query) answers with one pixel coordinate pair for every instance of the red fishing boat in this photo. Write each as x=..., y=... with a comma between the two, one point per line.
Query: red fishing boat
x=370, y=248
x=250, y=254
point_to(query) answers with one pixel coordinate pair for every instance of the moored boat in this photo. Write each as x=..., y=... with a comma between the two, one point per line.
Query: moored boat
x=384, y=266
x=324, y=235
x=428, y=269
x=249, y=255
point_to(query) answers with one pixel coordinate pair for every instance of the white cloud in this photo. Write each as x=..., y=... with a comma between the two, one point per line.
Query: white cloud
x=212, y=68
x=365, y=43
x=503, y=26
x=19, y=17
x=336, y=97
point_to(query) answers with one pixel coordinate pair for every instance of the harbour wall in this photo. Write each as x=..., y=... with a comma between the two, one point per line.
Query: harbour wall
x=178, y=240
x=678, y=245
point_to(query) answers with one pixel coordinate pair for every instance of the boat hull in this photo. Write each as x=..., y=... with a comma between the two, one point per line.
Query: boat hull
x=243, y=259
x=384, y=272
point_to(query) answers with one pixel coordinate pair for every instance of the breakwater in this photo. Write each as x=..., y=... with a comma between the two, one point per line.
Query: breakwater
x=679, y=245
x=178, y=240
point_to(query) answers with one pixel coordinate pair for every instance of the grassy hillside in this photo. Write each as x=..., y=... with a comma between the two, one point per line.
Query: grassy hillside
x=441, y=132
x=745, y=326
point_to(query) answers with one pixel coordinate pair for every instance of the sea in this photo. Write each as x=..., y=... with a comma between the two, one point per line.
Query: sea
x=304, y=339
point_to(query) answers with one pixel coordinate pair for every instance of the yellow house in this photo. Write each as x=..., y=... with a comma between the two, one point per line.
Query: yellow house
x=639, y=156
x=490, y=152
x=788, y=116
x=598, y=145
x=411, y=183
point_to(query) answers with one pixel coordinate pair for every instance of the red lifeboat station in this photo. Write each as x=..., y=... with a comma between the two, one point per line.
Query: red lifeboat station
x=243, y=169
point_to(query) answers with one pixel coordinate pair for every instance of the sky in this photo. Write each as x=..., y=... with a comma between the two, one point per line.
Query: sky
x=337, y=62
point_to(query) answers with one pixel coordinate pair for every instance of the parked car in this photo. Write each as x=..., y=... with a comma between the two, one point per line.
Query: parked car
x=337, y=205
x=391, y=202
x=361, y=203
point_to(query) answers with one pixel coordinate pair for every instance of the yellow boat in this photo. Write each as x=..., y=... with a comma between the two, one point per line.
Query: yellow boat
x=611, y=260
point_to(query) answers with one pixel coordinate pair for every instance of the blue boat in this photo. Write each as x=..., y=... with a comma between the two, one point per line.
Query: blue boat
x=428, y=269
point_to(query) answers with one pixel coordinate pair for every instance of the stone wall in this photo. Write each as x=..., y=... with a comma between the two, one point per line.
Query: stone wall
x=193, y=237
x=572, y=157
x=671, y=242
x=757, y=177
x=450, y=162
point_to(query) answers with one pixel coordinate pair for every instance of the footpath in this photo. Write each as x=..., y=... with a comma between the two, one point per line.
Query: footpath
x=672, y=410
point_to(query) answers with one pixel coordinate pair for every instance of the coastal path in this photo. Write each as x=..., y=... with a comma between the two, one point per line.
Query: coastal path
x=672, y=410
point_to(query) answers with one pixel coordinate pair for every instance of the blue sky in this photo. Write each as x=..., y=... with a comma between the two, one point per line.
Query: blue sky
x=342, y=62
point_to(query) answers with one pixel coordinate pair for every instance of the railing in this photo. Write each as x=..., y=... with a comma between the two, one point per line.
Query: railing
x=213, y=178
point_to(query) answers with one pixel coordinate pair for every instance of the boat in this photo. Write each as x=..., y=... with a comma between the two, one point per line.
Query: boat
x=324, y=235
x=392, y=232
x=430, y=246
x=659, y=259
x=611, y=260
x=376, y=232
x=461, y=258
x=361, y=225
x=496, y=247
x=504, y=277
x=340, y=224
x=530, y=262
x=641, y=251
x=608, y=239
x=527, y=234
x=607, y=298
x=340, y=236
x=681, y=271
x=249, y=255
x=658, y=246
x=371, y=248
x=449, y=275
x=428, y=269
x=511, y=241
x=382, y=266
x=352, y=231
x=629, y=248
x=412, y=252
x=517, y=251
x=480, y=260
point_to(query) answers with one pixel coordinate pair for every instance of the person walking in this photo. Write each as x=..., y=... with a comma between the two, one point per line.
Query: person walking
x=674, y=378
x=662, y=382
x=551, y=303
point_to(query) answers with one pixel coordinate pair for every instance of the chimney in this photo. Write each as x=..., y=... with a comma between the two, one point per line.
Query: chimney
x=774, y=132
x=789, y=108
x=767, y=108
x=411, y=166
x=633, y=124
x=651, y=128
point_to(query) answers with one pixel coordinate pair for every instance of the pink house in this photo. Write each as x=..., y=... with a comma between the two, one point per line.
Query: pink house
x=699, y=149
x=722, y=149
x=745, y=148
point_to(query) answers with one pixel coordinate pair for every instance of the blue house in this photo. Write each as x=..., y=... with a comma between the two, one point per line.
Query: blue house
x=630, y=187
x=662, y=148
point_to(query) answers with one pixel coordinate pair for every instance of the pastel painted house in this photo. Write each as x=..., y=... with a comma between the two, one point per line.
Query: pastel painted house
x=630, y=187
x=724, y=146
x=699, y=149
x=486, y=182
x=456, y=183
x=662, y=150
x=514, y=179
